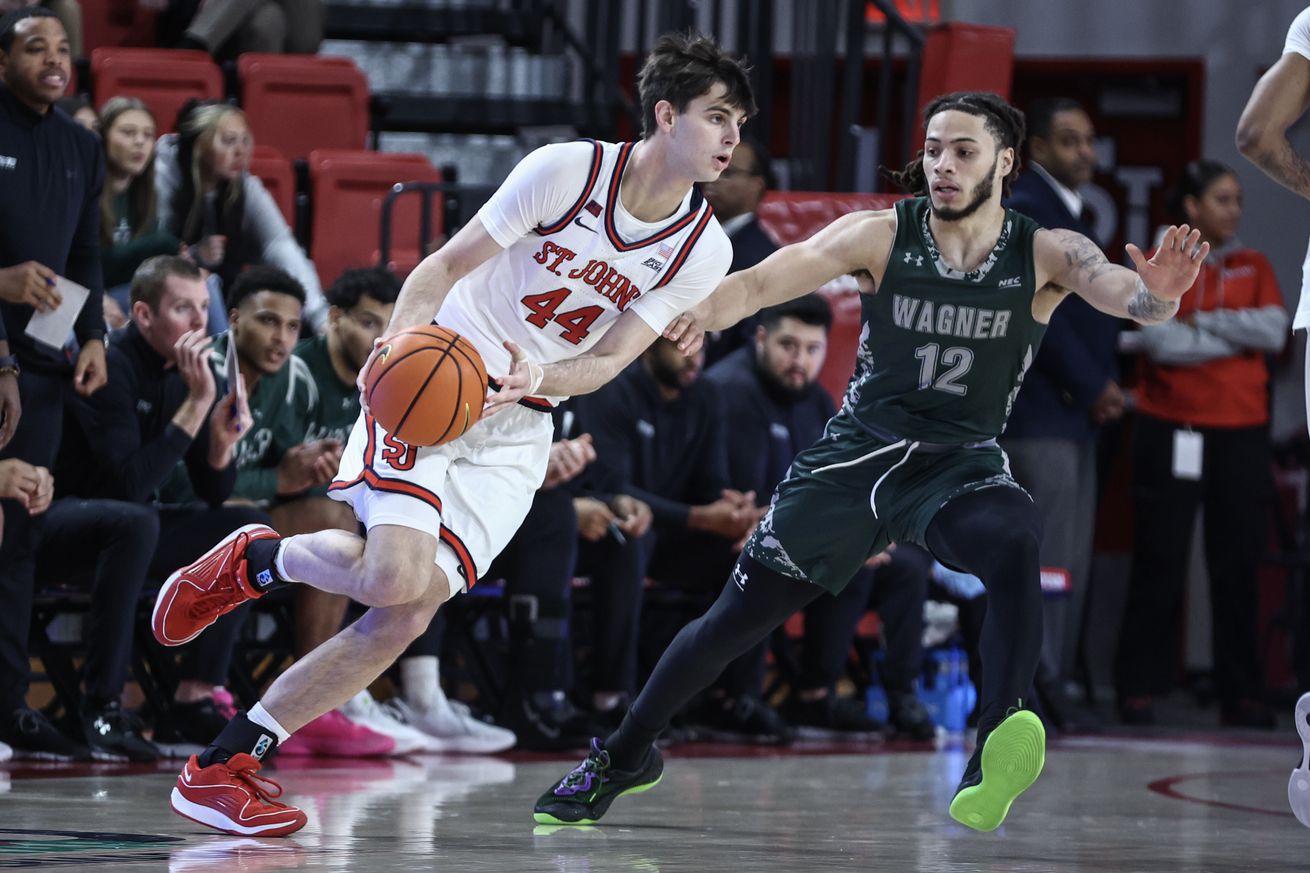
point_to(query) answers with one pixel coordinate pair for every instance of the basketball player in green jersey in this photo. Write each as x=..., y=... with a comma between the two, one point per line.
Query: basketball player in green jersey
x=958, y=292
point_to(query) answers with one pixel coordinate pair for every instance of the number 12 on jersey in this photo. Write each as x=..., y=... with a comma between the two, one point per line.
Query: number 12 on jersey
x=957, y=360
x=576, y=323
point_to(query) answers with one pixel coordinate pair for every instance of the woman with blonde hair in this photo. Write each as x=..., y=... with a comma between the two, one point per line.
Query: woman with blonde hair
x=207, y=195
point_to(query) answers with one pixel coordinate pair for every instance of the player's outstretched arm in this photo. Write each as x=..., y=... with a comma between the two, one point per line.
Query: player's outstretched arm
x=1280, y=98
x=852, y=242
x=1148, y=296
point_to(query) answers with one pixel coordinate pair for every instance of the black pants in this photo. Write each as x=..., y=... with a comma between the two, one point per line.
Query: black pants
x=897, y=590
x=618, y=574
x=104, y=546
x=1234, y=490
x=36, y=441
x=185, y=533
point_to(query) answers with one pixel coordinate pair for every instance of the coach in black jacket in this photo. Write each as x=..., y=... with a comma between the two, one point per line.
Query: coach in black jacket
x=51, y=173
x=160, y=409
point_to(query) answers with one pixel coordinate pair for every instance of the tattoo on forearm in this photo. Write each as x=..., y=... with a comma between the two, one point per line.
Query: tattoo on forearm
x=1146, y=308
x=1085, y=259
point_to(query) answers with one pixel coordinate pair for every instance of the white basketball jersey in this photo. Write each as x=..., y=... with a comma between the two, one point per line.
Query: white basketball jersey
x=575, y=260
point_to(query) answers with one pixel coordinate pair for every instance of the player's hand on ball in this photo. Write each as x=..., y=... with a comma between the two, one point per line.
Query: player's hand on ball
x=523, y=379
x=359, y=379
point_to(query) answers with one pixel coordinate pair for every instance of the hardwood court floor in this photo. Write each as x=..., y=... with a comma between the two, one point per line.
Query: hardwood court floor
x=1193, y=804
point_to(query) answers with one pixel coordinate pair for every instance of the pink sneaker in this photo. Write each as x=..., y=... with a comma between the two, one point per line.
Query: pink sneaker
x=225, y=703
x=333, y=735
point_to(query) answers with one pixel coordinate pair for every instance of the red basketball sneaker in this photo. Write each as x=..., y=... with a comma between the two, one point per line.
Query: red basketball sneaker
x=232, y=797
x=196, y=596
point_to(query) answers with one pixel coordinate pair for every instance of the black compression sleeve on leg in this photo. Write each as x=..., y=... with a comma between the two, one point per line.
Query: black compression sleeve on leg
x=754, y=602
x=994, y=533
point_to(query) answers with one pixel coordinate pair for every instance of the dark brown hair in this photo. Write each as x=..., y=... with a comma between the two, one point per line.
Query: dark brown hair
x=140, y=190
x=682, y=67
x=1004, y=122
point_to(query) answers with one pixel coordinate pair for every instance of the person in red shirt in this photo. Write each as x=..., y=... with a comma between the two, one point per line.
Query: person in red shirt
x=1201, y=440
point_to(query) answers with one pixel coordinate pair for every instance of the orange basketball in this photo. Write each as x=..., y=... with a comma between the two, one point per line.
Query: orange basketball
x=426, y=386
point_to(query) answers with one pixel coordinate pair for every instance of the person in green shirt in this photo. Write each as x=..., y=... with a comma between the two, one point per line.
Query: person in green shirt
x=274, y=461
x=129, y=226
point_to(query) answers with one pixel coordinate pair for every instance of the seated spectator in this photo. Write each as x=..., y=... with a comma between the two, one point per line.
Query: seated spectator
x=1201, y=441
x=161, y=408
x=80, y=110
x=659, y=431
x=115, y=540
x=31, y=487
x=232, y=27
x=129, y=220
x=209, y=200
x=771, y=394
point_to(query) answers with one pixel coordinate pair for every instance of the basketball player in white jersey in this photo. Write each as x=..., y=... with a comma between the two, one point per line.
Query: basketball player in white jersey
x=578, y=262
x=1280, y=98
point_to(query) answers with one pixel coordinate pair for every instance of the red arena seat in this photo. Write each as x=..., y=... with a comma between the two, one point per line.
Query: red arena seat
x=275, y=172
x=299, y=103
x=347, y=188
x=164, y=78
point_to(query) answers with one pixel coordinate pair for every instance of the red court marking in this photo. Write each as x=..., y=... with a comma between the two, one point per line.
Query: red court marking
x=1166, y=787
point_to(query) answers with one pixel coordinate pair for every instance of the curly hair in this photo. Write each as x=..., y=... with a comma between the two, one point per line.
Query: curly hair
x=1004, y=122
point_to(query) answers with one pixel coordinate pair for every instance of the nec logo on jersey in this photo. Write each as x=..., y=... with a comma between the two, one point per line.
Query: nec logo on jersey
x=916, y=259
x=1013, y=282
x=593, y=209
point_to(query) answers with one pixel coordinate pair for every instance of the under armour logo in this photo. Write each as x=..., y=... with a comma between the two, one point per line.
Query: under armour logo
x=917, y=259
x=739, y=577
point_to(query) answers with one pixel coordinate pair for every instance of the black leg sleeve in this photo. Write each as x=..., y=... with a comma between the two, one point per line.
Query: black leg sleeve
x=830, y=623
x=754, y=602
x=994, y=533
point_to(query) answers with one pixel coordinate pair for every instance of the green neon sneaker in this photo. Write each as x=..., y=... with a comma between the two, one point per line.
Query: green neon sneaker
x=582, y=797
x=1011, y=759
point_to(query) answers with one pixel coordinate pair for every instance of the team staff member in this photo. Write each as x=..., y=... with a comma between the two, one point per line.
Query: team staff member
x=51, y=173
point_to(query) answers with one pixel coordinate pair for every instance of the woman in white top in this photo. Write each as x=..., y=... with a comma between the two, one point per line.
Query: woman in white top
x=204, y=186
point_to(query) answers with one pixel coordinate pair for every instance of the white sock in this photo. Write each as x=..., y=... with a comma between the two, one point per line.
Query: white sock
x=421, y=678
x=259, y=715
x=279, y=560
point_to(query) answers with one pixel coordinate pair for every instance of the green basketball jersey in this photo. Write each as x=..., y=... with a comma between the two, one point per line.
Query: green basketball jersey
x=942, y=353
x=338, y=403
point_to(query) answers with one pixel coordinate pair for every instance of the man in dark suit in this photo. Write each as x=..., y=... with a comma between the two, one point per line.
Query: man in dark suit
x=736, y=197
x=1070, y=390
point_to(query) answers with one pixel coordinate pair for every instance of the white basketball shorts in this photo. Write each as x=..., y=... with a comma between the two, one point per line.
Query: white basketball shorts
x=471, y=493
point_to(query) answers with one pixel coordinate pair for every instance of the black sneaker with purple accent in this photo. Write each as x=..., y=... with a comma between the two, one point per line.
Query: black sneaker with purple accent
x=584, y=795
